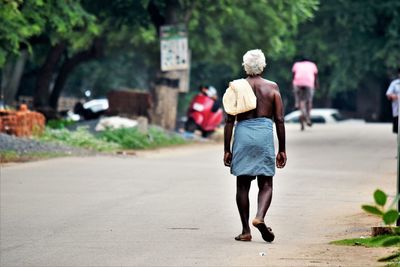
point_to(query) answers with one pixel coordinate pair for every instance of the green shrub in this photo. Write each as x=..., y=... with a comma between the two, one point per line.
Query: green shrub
x=79, y=138
x=112, y=139
x=131, y=138
x=388, y=215
x=59, y=124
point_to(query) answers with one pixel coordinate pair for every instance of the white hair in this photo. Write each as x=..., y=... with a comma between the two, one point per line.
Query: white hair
x=254, y=62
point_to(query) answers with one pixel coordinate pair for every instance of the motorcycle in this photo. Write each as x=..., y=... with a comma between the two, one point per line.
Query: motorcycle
x=202, y=116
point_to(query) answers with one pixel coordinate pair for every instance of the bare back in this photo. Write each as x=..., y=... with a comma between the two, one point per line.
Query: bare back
x=265, y=92
x=269, y=105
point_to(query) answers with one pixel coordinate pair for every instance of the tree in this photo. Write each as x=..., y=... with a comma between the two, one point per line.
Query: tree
x=60, y=24
x=219, y=33
x=356, y=44
x=15, y=29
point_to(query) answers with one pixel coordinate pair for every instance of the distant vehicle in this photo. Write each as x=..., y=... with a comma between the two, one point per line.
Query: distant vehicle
x=96, y=105
x=200, y=115
x=92, y=109
x=318, y=115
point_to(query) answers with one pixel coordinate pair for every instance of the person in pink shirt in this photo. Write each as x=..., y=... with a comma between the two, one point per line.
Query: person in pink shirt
x=305, y=81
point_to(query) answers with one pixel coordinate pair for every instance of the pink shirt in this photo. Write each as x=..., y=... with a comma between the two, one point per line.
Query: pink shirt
x=304, y=73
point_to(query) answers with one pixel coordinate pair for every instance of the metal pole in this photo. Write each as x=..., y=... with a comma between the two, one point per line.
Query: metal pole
x=398, y=167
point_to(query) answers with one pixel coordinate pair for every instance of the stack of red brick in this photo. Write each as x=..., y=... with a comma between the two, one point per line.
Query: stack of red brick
x=22, y=122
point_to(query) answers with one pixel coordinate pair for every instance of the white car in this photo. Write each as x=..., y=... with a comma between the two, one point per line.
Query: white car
x=318, y=115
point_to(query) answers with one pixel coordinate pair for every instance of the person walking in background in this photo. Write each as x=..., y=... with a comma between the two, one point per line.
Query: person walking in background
x=305, y=81
x=255, y=103
x=393, y=94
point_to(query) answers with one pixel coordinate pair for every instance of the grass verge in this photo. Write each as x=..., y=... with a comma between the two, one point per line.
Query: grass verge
x=377, y=241
x=113, y=139
x=110, y=140
x=12, y=156
x=131, y=138
x=394, y=259
x=81, y=138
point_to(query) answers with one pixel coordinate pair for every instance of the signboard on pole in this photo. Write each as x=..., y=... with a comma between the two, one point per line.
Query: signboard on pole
x=174, y=47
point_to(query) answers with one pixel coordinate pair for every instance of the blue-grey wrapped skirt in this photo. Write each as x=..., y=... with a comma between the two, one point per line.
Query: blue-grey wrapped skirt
x=253, y=150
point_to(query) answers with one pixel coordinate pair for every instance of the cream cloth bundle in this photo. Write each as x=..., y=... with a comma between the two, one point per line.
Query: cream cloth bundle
x=239, y=97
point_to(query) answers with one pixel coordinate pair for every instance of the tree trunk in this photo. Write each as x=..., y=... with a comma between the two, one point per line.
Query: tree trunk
x=165, y=92
x=5, y=80
x=42, y=89
x=69, y=65
x=11, y=77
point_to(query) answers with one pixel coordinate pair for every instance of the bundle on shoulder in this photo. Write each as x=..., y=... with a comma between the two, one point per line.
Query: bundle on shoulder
x=239, y=97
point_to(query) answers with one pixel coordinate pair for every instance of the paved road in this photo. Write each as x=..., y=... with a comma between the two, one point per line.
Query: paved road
x=176, y=207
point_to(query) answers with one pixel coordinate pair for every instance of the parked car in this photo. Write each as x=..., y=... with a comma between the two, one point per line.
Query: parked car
x=318, y=115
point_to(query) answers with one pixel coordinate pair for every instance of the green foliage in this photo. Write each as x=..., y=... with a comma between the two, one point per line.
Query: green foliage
x=380, y=197
x=219, y=33
x=372, y=209
x=79, y=138
x=377, y=241
x=131, y=138
x=8, y=156
x=390, y=240
x=112, y=139
x=394, y=257
x=388, y=215
x=52, y=19
x=59, y=124
x=15, y=28
x=353, y=42
x=184, y=102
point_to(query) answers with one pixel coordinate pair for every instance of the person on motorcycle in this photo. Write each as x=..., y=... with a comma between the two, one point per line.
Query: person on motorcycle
x=204, y=112
x=212, y=93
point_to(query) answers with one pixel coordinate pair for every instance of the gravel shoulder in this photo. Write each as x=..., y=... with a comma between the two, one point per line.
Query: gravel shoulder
x=25, y=149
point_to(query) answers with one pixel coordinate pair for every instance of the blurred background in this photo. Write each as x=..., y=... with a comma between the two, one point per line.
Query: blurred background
x=54, y=54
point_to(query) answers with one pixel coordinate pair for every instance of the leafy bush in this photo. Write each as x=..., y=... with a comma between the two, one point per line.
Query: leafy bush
x=111, y=139
x=79, y=138
x=389, y=215
x=131, y=138
x=59, y=124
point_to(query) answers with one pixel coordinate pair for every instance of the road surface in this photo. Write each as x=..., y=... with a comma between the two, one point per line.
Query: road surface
x=176, y=207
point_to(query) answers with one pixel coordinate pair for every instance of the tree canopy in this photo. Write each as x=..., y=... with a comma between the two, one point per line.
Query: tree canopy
x=352, y=41
x=107, y=44
x=22, y=23
x=219, y=32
